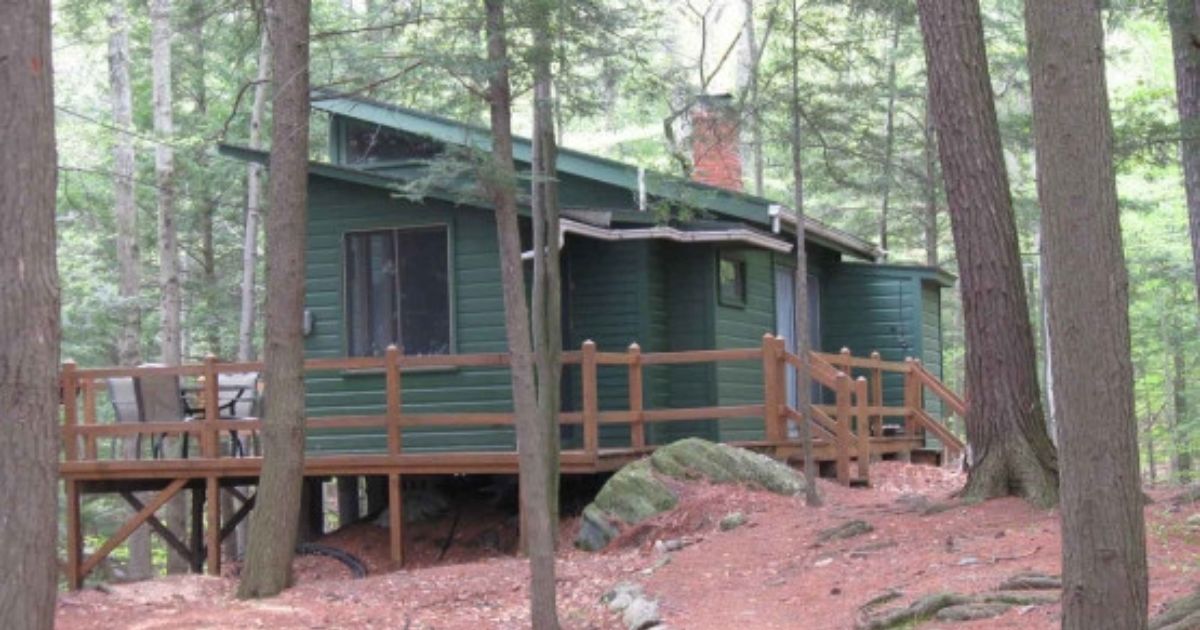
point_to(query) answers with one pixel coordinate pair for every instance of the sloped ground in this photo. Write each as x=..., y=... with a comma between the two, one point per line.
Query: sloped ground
x=769, y=573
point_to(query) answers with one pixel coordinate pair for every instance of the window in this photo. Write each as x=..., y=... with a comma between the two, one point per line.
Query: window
x=731, y=280
x=398, y=291
x=367, y=143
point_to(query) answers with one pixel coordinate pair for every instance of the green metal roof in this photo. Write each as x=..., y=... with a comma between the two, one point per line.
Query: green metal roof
x=725, y=203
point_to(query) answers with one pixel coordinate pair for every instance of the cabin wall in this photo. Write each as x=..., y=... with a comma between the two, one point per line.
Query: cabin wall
x=931, y=339
x=477, y=313
x=689, y=273
x=892, y=309
x=743, y=326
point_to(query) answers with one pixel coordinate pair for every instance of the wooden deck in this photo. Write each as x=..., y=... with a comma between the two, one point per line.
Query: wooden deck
x=850, y=430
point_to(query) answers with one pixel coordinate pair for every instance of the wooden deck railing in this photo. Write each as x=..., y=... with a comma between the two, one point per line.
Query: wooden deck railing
x=857, y=413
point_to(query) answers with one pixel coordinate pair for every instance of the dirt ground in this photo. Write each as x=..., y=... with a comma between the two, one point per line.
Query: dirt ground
x=769, y=573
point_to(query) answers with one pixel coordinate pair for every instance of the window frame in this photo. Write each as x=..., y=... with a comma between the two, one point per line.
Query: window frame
x=451, y=284
x=739, y=261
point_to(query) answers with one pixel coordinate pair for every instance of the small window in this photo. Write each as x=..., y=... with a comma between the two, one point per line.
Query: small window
x=398, y=291
x=367, y=144
x=731, y=280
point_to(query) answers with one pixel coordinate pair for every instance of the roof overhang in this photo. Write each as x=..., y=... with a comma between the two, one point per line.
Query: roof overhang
x=822, y=234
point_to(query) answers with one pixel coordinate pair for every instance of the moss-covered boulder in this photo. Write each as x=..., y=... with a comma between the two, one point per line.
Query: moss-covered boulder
x=639, y=490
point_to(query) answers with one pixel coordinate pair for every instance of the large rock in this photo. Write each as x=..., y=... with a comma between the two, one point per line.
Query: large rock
x=638, y=491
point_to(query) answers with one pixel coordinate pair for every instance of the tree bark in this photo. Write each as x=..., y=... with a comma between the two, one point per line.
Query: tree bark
x=1103, y=526
x=129, y=259
x=500, y=185
x=1006, y=430
x=29, y=319
x=253, y=203
x=812, y=497
x=170, y=300
x=1184, y=19
x=273, y=524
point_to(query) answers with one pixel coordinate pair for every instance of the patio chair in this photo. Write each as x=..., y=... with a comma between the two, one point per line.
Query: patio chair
x=161, y=401
x=122, y=394
x=238, y=399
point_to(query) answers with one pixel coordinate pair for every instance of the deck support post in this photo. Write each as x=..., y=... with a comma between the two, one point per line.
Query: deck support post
x=213, y=538
x=843, y=428
x=863, y=421
x=396, y=519
x=74, y=536
x=637, y=427
x=770, y=370
x=196, y=533
x=591, y=404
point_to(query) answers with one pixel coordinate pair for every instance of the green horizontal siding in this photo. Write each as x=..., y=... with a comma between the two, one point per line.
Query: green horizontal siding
x=740, y=383
x=874, y=309
x=336, y=208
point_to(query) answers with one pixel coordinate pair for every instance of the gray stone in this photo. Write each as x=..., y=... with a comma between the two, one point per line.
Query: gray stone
x=638, y=492
x=621, y=596
x=641, y=614
x=731, y=521
x=595, y=531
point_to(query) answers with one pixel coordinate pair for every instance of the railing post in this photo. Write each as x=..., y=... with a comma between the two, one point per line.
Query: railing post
x=70, y=411
x=89, y=417
x=843, y=428
x=771, y=396
x=591, y=402
x=392, y=369
x=781, y=385
x=212, y=409
x=864, y=429
x=912, y=389
x=637, y=430
x=845, y=356
x=877, y=392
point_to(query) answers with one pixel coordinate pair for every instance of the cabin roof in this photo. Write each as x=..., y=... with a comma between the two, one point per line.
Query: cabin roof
x=759, y=212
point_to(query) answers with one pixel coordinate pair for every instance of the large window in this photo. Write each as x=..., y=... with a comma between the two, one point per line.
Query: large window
x=398, y=291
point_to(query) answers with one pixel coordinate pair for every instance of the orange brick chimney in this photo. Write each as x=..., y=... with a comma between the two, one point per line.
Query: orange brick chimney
x=715, y=157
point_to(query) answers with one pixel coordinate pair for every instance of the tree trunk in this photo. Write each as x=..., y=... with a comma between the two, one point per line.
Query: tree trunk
x=889, y=137
x=29, y=320
x=1103, y=526
x=1011, y=450
x=1181, y=456
x=500, y=184
x=170, y=302
x=129, y=262
x=812, y=497
x=273, y=524
x=547, y=292
x=1184, y=19
x=253, y=201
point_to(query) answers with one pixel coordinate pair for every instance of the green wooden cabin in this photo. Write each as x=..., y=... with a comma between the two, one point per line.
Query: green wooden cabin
x=667, y=263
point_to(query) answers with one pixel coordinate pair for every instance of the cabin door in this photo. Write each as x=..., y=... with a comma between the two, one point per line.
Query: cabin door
x=785, y=320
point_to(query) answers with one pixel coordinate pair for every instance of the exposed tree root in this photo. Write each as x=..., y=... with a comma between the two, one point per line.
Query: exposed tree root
x=1181, y=614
